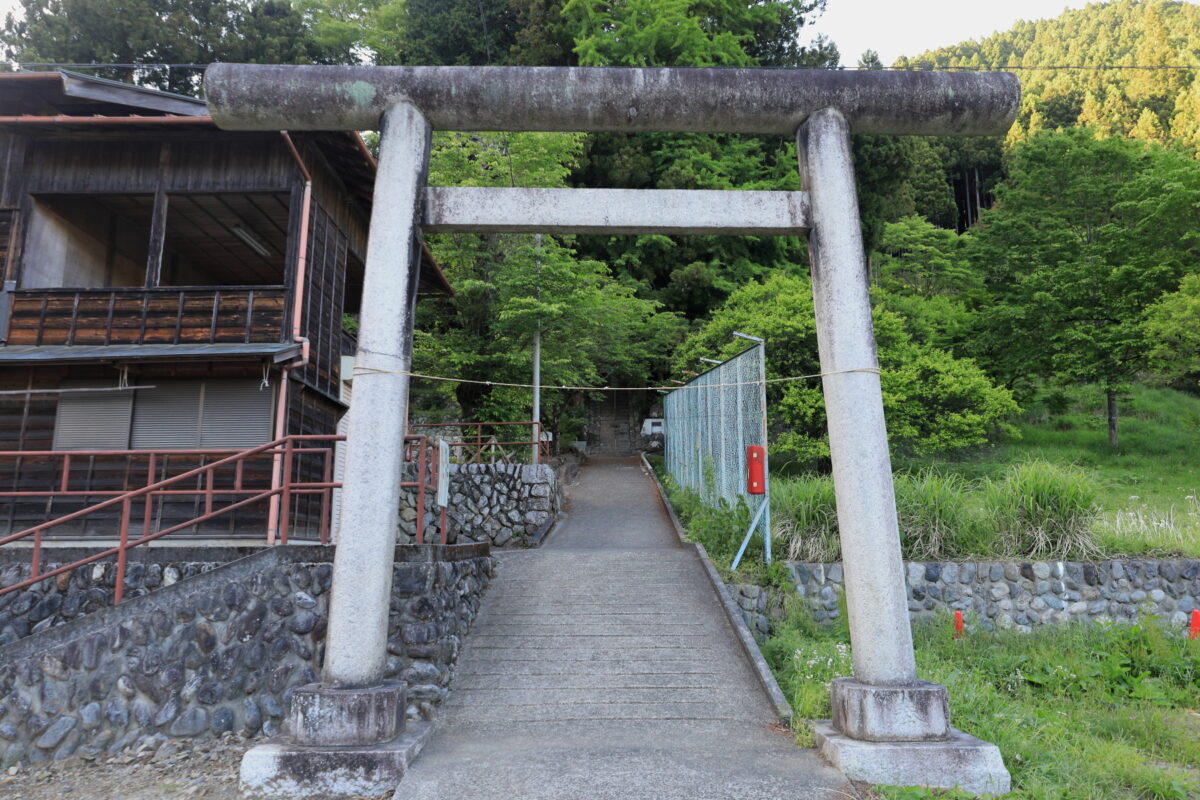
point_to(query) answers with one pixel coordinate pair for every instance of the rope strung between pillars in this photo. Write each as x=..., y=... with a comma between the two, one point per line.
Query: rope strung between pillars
x=373, y=371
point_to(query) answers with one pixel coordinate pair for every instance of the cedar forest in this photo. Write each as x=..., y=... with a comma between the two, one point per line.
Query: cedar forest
x=1003, y=270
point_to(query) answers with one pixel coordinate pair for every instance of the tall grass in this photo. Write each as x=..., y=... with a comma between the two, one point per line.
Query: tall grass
x=1032, y=510
x=1044, y=510
x=804, y=518
x=936, y=518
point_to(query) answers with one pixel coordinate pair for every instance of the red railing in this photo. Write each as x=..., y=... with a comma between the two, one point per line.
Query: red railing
x=223, y=481
x=475, y=444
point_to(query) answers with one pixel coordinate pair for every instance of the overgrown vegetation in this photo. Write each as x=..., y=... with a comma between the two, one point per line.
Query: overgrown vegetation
x=1056, y=490
x=1080, y=713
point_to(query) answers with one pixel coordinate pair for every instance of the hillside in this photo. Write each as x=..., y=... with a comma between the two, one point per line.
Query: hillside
x=1154, y=104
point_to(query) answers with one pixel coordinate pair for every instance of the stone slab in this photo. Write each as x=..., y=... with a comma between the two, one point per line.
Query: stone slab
x=280, y=770
x=918, y=711
x=326, y=716
x=961, y=761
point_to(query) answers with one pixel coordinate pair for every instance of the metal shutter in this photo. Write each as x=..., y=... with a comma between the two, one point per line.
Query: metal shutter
x=237, y=413
x=92, y=420
x=167, y=417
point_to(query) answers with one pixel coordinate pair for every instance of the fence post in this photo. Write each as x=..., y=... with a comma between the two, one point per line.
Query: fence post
x=122, y=554
x=286, y=500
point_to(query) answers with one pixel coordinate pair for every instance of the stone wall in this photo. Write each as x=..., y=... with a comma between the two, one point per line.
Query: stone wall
x=506, y=505
x=221, y=651
x=88, y=589
x=1023, y=595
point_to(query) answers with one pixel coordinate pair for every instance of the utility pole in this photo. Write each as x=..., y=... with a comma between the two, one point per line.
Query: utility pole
x=537, y=360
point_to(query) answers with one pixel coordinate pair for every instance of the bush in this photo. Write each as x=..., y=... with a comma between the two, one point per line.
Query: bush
x=1043, y=510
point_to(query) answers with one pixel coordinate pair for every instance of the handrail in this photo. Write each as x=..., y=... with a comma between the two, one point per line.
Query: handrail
x=480, y=443
x=285, y=487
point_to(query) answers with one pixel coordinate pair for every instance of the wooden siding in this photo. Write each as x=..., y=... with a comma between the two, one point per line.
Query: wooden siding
x=6, y=226
x=235, y=162
x=140, y=316
x=12, y=159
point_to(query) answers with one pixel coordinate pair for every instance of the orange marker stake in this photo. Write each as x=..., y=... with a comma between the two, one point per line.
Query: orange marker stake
x=1194, y=628
x=958, y=623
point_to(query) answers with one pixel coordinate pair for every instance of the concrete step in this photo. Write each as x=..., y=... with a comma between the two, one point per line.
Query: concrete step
x=496, y=697
x=472, y=667
x=606, y=652
x=624, y=679
x=559, y=712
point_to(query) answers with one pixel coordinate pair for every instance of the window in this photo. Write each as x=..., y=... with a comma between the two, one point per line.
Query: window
x=210, y=414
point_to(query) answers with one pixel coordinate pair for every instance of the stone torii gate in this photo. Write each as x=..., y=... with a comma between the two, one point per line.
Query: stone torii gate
x=888, y=727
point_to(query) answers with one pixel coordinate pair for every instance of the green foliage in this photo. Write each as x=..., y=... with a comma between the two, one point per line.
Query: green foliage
x=1044, y=510
x=1173, y=328
x=719, y=528
x=594, y=329
x=933, y=401
x=692, y=274
x=1069, y=271
x=937, y=518
x=1080, y=712
x=804, y=518
x=1147, y=488
x=160, y=31
x=939, y=514
x=1162, y=105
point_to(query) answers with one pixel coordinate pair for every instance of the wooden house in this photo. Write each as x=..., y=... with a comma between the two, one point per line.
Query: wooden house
x=169, y=288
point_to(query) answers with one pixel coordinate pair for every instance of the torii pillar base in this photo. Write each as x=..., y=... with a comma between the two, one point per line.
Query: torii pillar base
x=959, y=761
x=342, y=744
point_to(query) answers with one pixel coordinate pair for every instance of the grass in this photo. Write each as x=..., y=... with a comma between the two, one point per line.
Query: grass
x=1146, y=488
x=1057, y=490
x=1079, y=713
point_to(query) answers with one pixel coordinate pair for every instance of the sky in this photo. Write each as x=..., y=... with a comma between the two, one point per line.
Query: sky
x=896, y=28
x=902, y=27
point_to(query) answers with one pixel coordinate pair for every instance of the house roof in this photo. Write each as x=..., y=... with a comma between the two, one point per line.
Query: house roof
x=61, y=100
x=63, y=354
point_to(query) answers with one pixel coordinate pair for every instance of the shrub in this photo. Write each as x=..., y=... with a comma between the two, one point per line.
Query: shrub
x=1043, y=510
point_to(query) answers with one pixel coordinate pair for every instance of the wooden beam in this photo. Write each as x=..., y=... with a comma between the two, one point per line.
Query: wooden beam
x=615, y=211
x=158, y=220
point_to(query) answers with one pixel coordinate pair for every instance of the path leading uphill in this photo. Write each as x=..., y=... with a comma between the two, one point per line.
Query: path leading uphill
x=602, y=666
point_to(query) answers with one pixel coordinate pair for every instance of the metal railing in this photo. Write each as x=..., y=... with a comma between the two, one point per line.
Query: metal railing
x=475, y=441
x=219, y=488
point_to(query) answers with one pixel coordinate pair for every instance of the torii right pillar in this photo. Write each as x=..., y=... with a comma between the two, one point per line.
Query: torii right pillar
x=888, y=726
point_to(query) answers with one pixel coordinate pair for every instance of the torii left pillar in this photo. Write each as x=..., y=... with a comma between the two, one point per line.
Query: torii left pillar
x=348, y=736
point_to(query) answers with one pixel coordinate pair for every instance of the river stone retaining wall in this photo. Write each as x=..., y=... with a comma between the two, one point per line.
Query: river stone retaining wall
x=1021, y=595
x=506, y=505
x=221, y=651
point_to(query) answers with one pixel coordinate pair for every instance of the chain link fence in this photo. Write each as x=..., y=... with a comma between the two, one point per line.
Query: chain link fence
x=708, y=424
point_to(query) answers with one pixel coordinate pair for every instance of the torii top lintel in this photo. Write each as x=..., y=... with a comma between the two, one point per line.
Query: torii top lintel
x=669, y=99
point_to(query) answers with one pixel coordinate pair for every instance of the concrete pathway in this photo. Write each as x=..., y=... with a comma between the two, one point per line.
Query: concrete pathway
x=602, y=666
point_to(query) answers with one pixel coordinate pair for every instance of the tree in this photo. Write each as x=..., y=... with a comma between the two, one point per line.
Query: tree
x=595, y=331
x=933, y=402
x=160, y=32
x=1070, y=264
x=692, y=274
x=1173, y=328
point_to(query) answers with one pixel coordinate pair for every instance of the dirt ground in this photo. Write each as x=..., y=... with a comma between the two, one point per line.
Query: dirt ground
x=160, y=769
